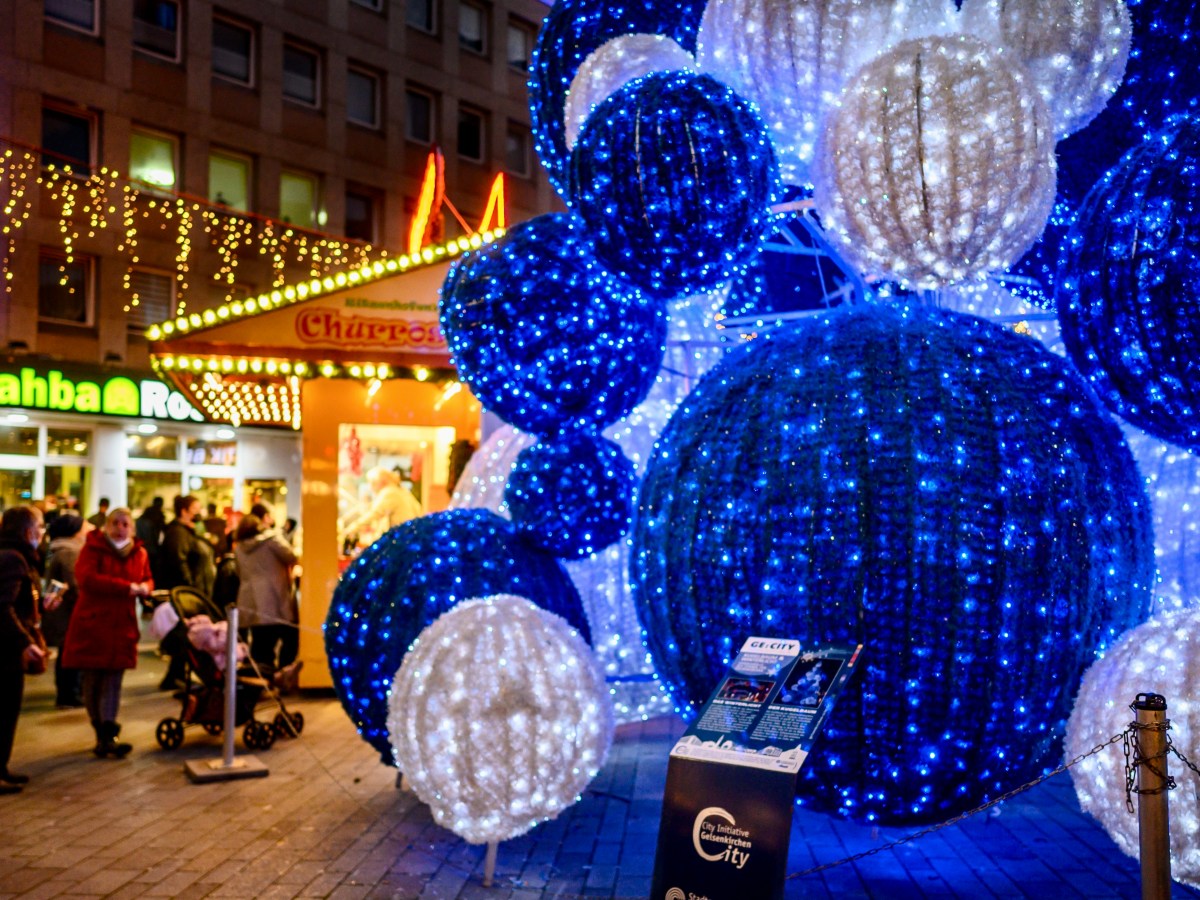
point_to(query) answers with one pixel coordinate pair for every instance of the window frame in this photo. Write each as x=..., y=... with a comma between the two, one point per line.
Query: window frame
x=373, y=5
x=93, y=122
x=484, y=24
x=172, y=303
x=93, y=29
x=373, y=199
x=315, y=180
x=429, y=25
x=517, y=128
x=376, y=95
x=252, y=55
x=174, y=141
x=89, y=286
x=431, y=118
x=464, y=111
x=150, y=51
x=234, y=157
x=308, y=50
x=527, y=30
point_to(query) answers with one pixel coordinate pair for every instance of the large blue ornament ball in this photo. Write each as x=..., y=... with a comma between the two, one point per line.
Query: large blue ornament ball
x=546, y=337
x=1129, y=286
x=929, y=484
x=674, y=175
x=571, y=31
x=572, y=496
x=409, y=577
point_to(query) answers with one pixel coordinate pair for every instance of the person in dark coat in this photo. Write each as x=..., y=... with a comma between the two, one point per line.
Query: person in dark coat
x=186, y=559
x=216, y=531
x=150, y=526
x=112, y=572
x=266, y=602
x=21, y=646
x=67, y=534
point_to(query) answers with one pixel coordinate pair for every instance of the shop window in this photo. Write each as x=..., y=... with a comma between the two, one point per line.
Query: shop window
x=141, y=487
x=360, y=216
x=79, y=14
x=232, y=51
x=18, y=440
x=362, y=97
x=152, y=158
x=229, y=180
x=65, y=287
x=516, y=149
x=421, y=14
x=152, y=298
x=472, y=28
x=472, y=134
x=298, y=199
x=68, y=139
x=418, y=116
x=16, y=486
x=68, y=441
x=301, y=74
x=520, y=44
x=211, y=453
x=156, y=27
x=66, y=481
x=152, y=446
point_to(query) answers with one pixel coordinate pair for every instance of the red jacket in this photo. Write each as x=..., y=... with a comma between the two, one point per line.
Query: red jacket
x=103, y=633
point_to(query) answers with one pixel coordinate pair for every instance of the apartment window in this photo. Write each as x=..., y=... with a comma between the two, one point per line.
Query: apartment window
x=376, y=5
x=298, y=199
x=79, y=14
x=156, y=27
x=520, y=44
x=362, y=97
x=301, y=74
x=152, y=297
x=418, y=116
x=67, y=138
x=360, y=216
x=65, y=287
x=229, y=180
x=421, y=14
x=472, y=28
x=471, y=134
x=152, y=158
x=233, y=51
x=516, y=149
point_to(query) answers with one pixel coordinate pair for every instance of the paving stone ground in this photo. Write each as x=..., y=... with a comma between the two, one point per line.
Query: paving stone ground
x=328, y=821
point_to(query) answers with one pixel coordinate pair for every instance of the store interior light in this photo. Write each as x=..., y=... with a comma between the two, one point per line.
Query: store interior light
x=16, y=418
x=147, y=428
x=226, y=434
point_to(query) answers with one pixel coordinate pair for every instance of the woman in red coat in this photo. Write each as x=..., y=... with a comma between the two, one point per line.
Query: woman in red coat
x=113, y=570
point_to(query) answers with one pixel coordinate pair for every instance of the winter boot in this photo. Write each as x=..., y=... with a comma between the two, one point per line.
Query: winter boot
x=107, y=743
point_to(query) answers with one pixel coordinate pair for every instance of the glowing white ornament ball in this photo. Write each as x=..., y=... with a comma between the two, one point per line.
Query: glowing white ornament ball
x=939, y=164
x=499, y=717
x=610, y=66
x=1161, y=656
x=792, y=57
x=1074, y=50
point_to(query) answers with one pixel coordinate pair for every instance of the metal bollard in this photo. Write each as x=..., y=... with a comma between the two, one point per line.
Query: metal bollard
x=1153, y=829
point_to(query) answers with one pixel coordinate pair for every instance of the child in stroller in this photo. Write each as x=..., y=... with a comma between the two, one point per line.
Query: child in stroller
x=203, y=703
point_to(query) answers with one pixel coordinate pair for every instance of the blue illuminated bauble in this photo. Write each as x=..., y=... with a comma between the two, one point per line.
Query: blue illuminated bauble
x=1129, y=286
x=929, y=484
x=545, y=336
x=674, y=176
x=409, y=577
x=570, y=32
x=573, y=495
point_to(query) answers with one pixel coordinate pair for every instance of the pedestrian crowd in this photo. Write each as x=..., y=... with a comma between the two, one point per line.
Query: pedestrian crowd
x=70, y=590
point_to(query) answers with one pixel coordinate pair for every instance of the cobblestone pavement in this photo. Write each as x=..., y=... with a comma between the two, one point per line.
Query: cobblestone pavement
x=329, y=822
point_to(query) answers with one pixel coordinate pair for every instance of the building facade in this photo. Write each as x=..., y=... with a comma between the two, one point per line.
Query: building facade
x=162, y=157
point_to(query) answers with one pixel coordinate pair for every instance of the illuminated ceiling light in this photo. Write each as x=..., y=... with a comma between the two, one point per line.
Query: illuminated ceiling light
x=420, y=373
x=226, y=434
x=17, y=418
x=147, y=428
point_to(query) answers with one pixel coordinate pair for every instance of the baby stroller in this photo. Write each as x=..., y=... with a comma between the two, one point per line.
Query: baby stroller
x=203, y=703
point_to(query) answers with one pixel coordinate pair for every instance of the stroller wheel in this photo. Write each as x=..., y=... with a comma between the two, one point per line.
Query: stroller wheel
x=258, y=735
x=289, y=724
x=169, y=733
x=213, y=728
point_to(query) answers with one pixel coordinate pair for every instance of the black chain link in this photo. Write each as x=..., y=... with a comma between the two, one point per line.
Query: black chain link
x=1167, y=782
x=1187, y=762
x=954, y=821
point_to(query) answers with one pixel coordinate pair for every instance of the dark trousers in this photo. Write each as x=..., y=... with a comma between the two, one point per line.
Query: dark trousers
x=264, y=639
x=12, y=691
x=67, y=683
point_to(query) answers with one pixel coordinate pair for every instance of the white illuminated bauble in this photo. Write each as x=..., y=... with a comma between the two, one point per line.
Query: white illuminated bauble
x=499, y=717
x=1161, y=656
x=792, y=57
x=614, y=63
x=938, y=166
x=1074, y=50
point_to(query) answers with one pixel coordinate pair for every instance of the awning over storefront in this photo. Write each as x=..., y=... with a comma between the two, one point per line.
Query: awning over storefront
x=244, y=362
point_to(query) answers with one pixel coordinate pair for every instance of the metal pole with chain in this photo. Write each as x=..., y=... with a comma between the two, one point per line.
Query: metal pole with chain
x=1150, y=761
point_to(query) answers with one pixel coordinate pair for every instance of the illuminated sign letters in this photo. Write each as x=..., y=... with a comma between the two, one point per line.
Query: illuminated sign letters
x=111, y=395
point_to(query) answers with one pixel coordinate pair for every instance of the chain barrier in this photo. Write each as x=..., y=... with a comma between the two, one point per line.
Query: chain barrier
x=1133, y=747
x=961, y=816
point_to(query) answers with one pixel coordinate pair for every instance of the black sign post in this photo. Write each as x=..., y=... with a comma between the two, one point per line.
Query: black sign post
x=727, y=811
